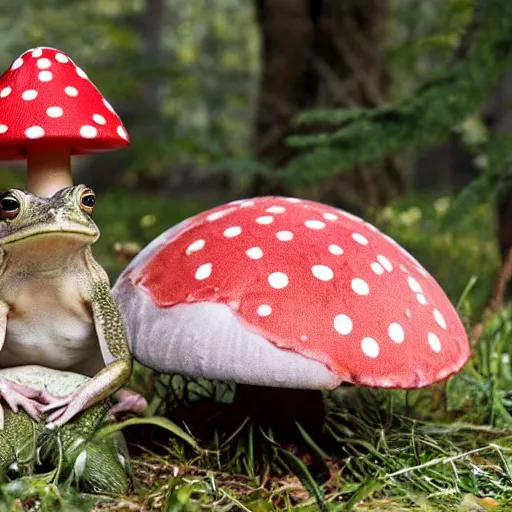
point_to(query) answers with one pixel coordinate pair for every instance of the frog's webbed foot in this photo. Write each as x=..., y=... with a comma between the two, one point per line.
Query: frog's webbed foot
x=17, y=396
x=71, y=405
x=127, y=400
x=66, y=408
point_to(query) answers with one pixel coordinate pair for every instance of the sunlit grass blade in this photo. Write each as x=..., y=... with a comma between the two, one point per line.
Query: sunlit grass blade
x=156, y=421
x=303, y=474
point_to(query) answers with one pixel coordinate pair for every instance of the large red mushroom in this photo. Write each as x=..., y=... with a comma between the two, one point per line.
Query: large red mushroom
x=50, y=110
x=284, y=292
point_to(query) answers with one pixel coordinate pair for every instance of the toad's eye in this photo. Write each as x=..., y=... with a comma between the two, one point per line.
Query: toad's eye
x=9, y=207
x=87, y=200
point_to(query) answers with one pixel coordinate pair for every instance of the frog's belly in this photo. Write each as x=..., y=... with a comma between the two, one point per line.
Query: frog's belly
x=55, y=339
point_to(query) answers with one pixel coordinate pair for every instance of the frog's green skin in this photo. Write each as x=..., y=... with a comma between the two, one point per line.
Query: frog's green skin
x=56, y=309
x=97, y=465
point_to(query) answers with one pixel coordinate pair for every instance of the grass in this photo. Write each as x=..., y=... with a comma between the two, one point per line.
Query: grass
x=445, y=448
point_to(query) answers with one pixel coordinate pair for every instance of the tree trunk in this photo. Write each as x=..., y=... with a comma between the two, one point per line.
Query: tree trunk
x=151, y=33
x=323, y=53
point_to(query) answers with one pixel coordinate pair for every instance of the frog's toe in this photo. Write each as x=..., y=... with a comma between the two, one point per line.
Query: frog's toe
x=46, y=398
x=7, y=385
x=128, y=400
x=59, y=404
x=66, y=409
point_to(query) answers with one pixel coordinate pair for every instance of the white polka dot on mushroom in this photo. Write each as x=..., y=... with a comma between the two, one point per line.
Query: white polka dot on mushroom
x=385, y=262
x=54, y=112
x=81, y=73
x=121, y=132
x=360, y=239
x=29, y=94
x=377, y=268
x=204, y=272
x=278, y=280
x=330, y=216
x=265, y=220
x=403, y=269
x=17, y=63
x=71, y=91
x=439, y=318
x=108, y=105
x=216, y=215
x=44, y=63
x=322, y=272
x=422, y=271
x=255, y=253
x=360, y=286
x=34, y=132
x=60, y=57
x=336, y=250
x=414, y=285
x=88, y=132
x=247, y=204
x=370, y=347
x=421, y=299
x=343, y=324
x=98, y=118
x=284, y=236
x=232, y=231
x=3, y=128
x=396, y=332
x=5, y=92
x=276, y=209
x=195, y=246
x=45, y=76
x=434, y=342
x=314, y=224
x=293, y=200
x=264, y=310
x=37, y=53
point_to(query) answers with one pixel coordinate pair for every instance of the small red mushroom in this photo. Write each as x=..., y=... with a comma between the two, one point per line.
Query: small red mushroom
x=49, y=110
x=284, y=292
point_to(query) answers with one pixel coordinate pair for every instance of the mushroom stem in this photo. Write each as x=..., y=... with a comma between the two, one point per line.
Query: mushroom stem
x=48, y=171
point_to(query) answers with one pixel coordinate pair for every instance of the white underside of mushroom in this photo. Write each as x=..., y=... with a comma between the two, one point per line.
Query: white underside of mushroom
x=206, y=339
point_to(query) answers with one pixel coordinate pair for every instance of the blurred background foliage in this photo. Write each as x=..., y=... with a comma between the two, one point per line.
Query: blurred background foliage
x=390, y=109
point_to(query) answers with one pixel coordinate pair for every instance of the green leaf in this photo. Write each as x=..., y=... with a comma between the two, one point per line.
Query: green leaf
x=156, y=421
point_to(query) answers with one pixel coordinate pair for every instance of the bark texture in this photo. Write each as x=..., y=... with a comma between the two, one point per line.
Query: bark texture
x=323, y=53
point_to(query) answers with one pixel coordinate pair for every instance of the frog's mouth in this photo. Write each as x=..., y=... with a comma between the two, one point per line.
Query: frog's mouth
x=69, y=231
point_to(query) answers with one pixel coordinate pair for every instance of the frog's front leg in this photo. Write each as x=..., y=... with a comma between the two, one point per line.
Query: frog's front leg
x=115, y=351
x=15, y=395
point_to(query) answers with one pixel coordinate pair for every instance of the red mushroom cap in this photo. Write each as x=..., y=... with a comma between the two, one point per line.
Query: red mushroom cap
x=309, y=279
x=46, y=100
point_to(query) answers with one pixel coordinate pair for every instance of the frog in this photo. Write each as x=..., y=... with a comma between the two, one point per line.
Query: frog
x=56, y=308
x=97, y=461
